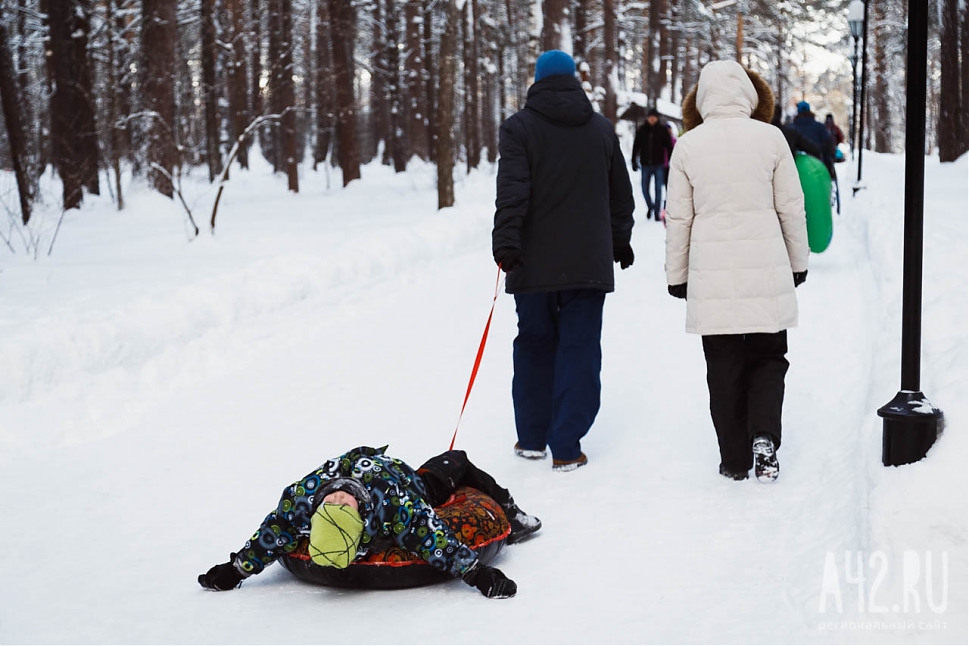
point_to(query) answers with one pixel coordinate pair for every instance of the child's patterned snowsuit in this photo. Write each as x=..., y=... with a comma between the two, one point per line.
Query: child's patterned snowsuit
x=397, y=509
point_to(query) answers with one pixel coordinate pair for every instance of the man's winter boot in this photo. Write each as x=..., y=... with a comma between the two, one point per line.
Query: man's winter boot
x=766, y=467
x=530, y=454
x=522, y=524
x=562, y=466
x=733, y=475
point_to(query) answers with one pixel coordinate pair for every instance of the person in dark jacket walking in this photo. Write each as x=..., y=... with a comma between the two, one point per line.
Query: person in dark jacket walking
x=652, y=147
x=837, y=135
x=811, y=128
x=795, y=140
x=563, y=215
x=352, y=501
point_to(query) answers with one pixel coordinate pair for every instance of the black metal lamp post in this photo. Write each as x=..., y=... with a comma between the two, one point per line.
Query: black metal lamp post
x=856, y=20
x=864, y=84
x=911, y=423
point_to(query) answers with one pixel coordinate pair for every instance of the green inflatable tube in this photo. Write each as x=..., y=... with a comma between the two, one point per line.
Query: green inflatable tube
x=816, y=184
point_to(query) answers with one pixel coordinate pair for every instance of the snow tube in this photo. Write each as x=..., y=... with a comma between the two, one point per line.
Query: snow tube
x=816, y=184
x=477, y=521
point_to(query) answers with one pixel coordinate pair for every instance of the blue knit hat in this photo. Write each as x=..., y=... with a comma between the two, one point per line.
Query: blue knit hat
x=554, y=62
x=803, y=106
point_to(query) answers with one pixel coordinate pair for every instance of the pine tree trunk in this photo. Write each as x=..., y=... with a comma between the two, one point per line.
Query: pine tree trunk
x=236, y=78
x=445, y=112
x=112, y=88
x=556, y=26
x=87, y=138
x=324, y=84
x=379, y=113
x=579, y=36
x=65, y=119
x=964, y=49
x=209, y=98
x=273, y=142
x=285, y=93
x=649, y=52
x=23, y=82
x=342, y=34
x=122, y=27
x=664, y=47
x=674, y=49
x=687, y=82
x=951, y=111
x=471, y=118
x=610, y=55
x=398, y=151
x=430, y=76
x=158, y=86
x=881, y=124
x=255, y=58
x=10, y=98
x=416, y=112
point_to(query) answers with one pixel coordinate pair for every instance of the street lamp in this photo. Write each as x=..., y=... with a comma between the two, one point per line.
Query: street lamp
x=856, y=22
x=864, y=77
x=911, y=424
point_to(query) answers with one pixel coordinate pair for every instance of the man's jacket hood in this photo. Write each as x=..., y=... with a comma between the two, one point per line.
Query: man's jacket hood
x=560, y=100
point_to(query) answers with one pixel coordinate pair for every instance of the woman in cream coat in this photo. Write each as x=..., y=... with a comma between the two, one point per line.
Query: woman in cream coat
x=736, y=247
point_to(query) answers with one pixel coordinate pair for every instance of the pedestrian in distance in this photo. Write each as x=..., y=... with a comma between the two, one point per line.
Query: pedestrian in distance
x=564, y=214
x=364, y=496
x=796, y=141
x=666, y=158
x=836, y=133
x=652, y=146
x=736, y=248
x=812, y=129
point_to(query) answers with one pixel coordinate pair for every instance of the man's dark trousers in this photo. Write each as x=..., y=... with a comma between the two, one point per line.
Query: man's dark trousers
x=745, y=374
x=558, y=358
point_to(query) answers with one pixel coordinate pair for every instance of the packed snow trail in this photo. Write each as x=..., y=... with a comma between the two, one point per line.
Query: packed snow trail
x=155, y=412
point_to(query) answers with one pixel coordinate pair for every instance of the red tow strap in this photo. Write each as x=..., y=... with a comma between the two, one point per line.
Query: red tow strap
x=477, y=359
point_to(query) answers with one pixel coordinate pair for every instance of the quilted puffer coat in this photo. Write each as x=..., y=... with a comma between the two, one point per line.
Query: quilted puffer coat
x=735, y=210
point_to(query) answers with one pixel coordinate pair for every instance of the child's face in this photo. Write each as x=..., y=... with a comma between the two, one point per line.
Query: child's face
x=341, y=498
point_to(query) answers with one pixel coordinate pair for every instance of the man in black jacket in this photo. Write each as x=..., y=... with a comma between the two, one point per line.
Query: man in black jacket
x=652, y=146
x=563, y=216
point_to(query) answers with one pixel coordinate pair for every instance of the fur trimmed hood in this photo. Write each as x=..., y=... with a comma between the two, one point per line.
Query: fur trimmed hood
x=726, y=89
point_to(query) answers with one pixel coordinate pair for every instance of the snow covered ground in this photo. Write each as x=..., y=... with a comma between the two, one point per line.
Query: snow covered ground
x=156, y=395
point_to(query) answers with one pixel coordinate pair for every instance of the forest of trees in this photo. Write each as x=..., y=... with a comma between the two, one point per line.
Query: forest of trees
x=100, y=90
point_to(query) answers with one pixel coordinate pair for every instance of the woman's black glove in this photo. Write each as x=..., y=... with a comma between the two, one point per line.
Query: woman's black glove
x=222, y=577
x=508, y=258
x=677, y=291
x=490, y=581
x=800, y=277
x=623, y=254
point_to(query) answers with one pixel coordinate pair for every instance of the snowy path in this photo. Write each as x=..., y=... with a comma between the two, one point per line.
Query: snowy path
x=255, y=357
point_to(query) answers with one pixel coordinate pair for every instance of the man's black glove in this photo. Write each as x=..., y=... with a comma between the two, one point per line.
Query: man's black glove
x=508, y=258
x=800, y=277
x=222, y=577
x=677, y=291
x=635, y=167
x=490, y=581
x=623, y=254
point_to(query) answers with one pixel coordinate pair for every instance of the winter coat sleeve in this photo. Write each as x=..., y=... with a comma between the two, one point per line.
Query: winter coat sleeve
x=514, y=186
x=277, y=535
x=637, y=146
x=419, y=530
x=621, y=203
x=789, y=204
x=679, y=220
